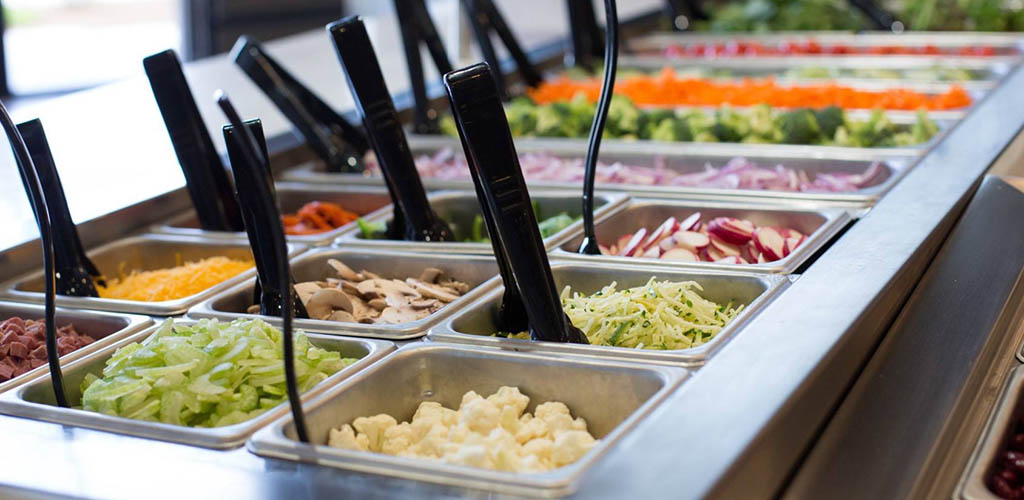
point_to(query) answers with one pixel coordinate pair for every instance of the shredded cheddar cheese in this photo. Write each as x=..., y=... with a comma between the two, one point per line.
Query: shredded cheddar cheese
x=175, y=282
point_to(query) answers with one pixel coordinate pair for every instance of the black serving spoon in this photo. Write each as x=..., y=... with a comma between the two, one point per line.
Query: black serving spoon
x=487, y=140
x=205, y=176
x=338, y=143
x=611, y=64
x=252, y=180
x=385, y=131
x=46, y=235
x=75, y=272
x=249, y=163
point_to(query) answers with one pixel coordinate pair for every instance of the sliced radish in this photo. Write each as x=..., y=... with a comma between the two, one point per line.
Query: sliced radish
x=691, y=223
x=770, y=243
x=713, y=254
x=727, y=249
x=651, y=253
x=749, y=252
x=668, y=243
x=679, y=254
x=791, y=244
x=604, y=250
x=735, y=231
x=732, y=259
x=623, y=240
x=691, y=240
x=760, y=259
x=633, y=244
x=664, y=230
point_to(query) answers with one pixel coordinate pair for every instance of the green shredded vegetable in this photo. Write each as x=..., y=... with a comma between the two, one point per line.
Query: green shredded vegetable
x=210, y=374
x=661, y=315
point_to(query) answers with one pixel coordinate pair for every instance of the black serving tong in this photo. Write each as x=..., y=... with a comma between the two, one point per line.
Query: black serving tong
x=683, y=12
x=205, y=176
x=487, y=140
x=879, y=17
x=46, y=235
x=75, y=272
x=385, y=131
x=585, y=34
x=417, y=27
x=255, y=190
x=484, y=18
x=338, y=143
x=246, y=150
x=611, y=58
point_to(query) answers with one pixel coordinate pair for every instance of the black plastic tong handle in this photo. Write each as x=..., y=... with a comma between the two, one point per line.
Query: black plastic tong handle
x=250, y=163
x=74, y=271
x=205, y=177
x=878, y=16
x=484, y=17
x=585, y=34
x=385, y=131
x=253, y=184
x=611, y=64
x=416, y=27
x=337, y=142
x=483, y=127
x=35, y=196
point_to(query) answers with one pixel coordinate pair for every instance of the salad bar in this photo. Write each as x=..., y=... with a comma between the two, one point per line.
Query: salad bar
x=764, y=232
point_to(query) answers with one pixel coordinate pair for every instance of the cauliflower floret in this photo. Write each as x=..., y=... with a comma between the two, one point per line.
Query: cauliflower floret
x=579, y=424
x=345, y=437
x=555, y=415
x=467, y=398
x=480, y=415
x=510, y=397
x=433, y=444
x=570, y=446
x=473, y=456
x=428, y=415
x=509, y=419
x=504, y=449
x=397, y=438
x=374, y=428
x=540, y=449
x=533, y=428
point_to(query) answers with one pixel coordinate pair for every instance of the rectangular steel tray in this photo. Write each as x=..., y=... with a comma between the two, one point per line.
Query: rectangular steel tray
x=612, y=396
x=475, y=324
x=460, y=207
x=476, y=270
x=35, y=399
x=362, y=200
x=819, y=224
x=692, y=159
x=144, y=252
x=997, y=432
x=105, y=328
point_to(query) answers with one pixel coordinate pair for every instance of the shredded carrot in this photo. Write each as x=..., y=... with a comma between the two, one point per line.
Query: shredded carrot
x=175, y=282
x=666, y=89
x=317, y=217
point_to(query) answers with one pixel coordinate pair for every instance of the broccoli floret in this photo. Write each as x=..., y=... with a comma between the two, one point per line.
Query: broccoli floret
x=700, y=124
x=522, y=116
x=581, y=113
x=623, y=117
x=830, y=119
x=799, y=127
x=705, y=137
x=671, y=130
x=868, y=133
x=730, y=126
x=554, y=120
x=650, y=120
x=924, y=128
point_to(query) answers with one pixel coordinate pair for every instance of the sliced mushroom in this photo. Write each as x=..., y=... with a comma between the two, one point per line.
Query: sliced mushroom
x=367, y=275
x=253, y=309
x=343, y=270
x=326, y=301
x=378, y=304
x=349, y=287
x=426, y=304
x=430, y=275
x=363, y=312
x=432, y=291
x=380, y=287
x=458, y=286
x=394, y=316
x=344, y=316
x=306, y=289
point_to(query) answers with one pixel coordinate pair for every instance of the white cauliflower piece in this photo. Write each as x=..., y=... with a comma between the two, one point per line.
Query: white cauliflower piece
x=509, y=419
x=504, y=449
x=480, y=415
x=579, y=424
x=540, y=449
x=433, y=444
x=533, y=428
x=472, y=455
x=374, y=428
x=510, y=397
x=570, y=446
x=429, y=415
x=397, y=439
x=345, y=437
x=555, y=415
x=468, y=398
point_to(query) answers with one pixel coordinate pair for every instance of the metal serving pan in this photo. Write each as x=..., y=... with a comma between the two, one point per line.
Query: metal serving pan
x=690, y=162
x=104, y=328
x=476, y=270
x=475, y=325
x=612, y=396
x=460, y=207
x=1009, y=409
x=35, y=400
x=145, y=252
x=362, y=200
x=819, y=224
